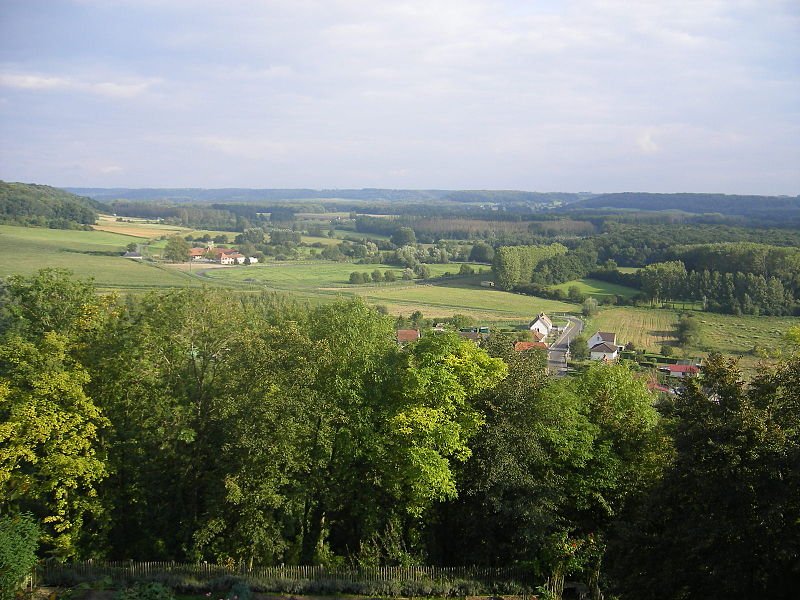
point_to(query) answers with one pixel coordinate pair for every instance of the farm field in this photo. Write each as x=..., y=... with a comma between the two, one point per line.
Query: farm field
x=646, y=328
x=455, y=297
x=29, y=249
x=461, y=295
x=312, y=275
x=597, y=288
x=727, y=334
x=137, y=227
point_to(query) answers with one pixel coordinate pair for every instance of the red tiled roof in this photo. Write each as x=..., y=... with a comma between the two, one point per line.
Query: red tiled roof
x=537, y=335
x=681, y=368
x=407, y=335
x=522, y=346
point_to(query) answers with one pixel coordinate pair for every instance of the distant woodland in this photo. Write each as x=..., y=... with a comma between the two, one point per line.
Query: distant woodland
x=44, y=206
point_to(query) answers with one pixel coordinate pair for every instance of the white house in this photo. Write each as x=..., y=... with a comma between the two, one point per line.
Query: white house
x=542, y=324
x=604, y=351
x=602, y=337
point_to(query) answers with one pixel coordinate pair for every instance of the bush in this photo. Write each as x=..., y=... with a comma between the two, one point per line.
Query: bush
x=240, y=591
x=19, y=538
x=146, y=591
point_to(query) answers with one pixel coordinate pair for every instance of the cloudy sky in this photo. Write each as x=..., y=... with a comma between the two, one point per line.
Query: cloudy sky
x=545, y=95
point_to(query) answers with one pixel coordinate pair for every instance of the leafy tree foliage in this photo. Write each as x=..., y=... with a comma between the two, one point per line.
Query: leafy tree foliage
x=19, y=537
x=722, y=523
x=44, y=206
x=177, y=249
x=49, y=460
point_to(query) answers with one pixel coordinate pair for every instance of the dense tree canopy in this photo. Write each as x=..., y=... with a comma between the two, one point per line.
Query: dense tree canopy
x=198, y=425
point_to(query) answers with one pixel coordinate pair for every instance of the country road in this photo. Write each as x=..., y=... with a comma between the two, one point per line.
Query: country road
x=557, y=354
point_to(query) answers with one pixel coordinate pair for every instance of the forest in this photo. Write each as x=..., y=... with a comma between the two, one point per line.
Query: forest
x=45, y=206
x=194, y=425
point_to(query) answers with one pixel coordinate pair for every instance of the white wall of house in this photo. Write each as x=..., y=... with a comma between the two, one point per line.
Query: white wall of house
x=602, y=355
x=540, y=327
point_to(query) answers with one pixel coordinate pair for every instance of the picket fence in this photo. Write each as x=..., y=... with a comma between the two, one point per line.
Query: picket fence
x=124, y=571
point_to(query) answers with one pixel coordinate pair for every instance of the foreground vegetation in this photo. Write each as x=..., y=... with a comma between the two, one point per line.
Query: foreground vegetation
x=195, y=425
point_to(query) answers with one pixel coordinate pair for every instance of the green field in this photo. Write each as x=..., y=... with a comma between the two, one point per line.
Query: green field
x=433, y=298
x=319, y=275
x=456, y=297
x=597, y=288
x=28, y=249
x=728, y=334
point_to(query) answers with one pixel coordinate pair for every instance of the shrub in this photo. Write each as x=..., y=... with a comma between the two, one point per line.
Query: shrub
x=19, y=537
x=240, y=591
x=146, y=591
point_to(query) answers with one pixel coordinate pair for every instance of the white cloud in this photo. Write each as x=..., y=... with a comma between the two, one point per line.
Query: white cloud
x=646, y=142
x=126, y=88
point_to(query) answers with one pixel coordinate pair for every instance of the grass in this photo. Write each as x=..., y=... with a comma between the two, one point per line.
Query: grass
x=28, y=249
x=433, y=298
x=646, y=328
x=597, y=288
x=728, y=334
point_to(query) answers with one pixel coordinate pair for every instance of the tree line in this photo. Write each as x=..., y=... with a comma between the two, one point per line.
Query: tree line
x=194, y=425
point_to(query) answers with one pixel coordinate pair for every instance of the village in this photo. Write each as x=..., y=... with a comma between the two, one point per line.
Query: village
x=565, y=350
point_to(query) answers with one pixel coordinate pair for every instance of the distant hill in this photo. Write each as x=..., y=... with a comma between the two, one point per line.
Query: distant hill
x=44, y=206
x=759, y=207
x=245, y=195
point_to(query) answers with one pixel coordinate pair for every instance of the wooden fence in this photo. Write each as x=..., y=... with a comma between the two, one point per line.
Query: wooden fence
x=120, y=572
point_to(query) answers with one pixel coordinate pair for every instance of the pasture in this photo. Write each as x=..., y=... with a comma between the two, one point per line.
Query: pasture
x=597, y=288
x=728, y=334
x=646, y=328
x=434, y=298
x=89, y=254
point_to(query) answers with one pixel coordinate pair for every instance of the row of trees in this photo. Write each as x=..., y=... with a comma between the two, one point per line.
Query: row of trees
x=515, y=265
x=733, y=293
x=198, y=426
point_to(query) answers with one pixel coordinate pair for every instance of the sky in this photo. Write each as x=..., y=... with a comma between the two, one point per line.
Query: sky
x=585, y=95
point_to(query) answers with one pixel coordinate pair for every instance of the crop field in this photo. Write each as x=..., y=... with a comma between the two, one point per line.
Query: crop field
x=459, y=295
x=464, y=296
x=727, y=334
x=28, y=249
x=597, y=288
x=318, y=275
x=646, y=328
x=137, y=227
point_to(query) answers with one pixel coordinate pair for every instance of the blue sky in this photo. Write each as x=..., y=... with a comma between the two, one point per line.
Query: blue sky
x=695, y=95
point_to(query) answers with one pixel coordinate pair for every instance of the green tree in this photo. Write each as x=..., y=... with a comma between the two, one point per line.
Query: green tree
x=404, y=236
x=356, y=277
x=19, y=538
x=389, y=275
x=589, y=308
x=465, y=269
x=688, y=330
x=49, y=439
x=50, y=300
x=376, y=275
x=733, y=486
x=177, y=249
x=481, y=252
x=578, y=348
x=575, y=294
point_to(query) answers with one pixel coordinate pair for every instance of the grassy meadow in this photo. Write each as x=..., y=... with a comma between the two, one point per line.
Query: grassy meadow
x=94, y=254
x=597, y=288
x=650, y=328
